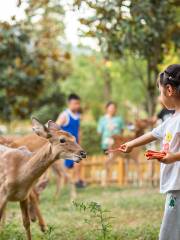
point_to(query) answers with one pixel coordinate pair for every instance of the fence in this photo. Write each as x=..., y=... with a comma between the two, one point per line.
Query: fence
x=122, y=172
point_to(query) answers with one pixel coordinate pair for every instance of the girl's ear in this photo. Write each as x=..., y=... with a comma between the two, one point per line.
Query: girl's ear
x=169, y=90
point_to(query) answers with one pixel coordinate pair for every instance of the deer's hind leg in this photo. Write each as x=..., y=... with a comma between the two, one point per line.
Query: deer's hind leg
x=35, y=205
x=26, y=218
x=3, y=202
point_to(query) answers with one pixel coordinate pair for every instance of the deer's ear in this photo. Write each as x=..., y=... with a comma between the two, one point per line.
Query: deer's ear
x=40, y=129
x=52, y=125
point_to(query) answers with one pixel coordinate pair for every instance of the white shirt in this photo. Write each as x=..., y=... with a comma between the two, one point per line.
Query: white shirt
x=169, y=133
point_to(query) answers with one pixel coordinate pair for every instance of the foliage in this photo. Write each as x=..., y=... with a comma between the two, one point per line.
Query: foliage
x=50, y=233
x=50, y=103
x=55, y=62
x=45, y=23
x=90, y=139
x=87, y=79
x=145, y=28
x=32, y=60
x=9, y=231
x=20, y=80
x=98, y=215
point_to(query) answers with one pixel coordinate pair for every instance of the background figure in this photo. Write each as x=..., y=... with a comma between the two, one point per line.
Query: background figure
x=109, y=125
x=69, y=121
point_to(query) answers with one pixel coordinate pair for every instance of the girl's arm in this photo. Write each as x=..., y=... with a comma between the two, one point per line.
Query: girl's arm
x=176, y=156
x=171, y=158
x=144, y=139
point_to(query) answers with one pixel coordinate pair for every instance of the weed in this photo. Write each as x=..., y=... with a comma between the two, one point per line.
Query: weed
x=98, y=215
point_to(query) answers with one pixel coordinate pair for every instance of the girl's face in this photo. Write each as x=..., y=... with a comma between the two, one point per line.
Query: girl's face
x=167, y=96
x=111, y=110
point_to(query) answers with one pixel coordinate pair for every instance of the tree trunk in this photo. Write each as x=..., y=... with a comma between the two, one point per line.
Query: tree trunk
x=152, y=73
x=107, y=86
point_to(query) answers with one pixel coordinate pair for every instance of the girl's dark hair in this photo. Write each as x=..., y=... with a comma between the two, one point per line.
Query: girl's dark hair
x=111, y=103
x=171, y=76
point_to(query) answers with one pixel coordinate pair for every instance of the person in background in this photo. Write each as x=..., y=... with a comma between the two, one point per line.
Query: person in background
x=69, y=121
x=109, y=125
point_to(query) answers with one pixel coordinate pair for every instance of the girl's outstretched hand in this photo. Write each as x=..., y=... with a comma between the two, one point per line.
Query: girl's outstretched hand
x=126, y=147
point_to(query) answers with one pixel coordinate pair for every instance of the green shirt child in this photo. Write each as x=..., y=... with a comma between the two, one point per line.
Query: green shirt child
x=107, y=127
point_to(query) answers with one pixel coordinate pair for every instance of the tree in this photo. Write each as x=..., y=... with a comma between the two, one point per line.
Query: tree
x=33, y=61
x=21, y=80
x=146, y=29
x=47, y=32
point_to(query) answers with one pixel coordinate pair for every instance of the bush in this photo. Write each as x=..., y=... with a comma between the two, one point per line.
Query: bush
x=90, y=140
x=47, y=112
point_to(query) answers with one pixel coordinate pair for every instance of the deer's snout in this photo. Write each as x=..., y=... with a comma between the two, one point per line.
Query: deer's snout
x=83, y=154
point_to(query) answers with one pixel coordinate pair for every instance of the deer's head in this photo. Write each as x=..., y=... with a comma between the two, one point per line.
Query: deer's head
x=63, y=144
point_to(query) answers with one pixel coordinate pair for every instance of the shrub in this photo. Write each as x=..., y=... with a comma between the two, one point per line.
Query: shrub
x=47, y=112
x=90, y=139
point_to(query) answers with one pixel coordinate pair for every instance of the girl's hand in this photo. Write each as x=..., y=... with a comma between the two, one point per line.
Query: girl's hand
x=126, y=147
x=168, y=159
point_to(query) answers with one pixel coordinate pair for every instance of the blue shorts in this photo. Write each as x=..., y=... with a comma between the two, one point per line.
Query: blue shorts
x=68, y=163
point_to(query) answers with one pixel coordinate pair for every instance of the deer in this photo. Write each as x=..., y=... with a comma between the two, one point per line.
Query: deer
x=5, y=144
x=33, y=142
x=19, y=172
x=140, y=126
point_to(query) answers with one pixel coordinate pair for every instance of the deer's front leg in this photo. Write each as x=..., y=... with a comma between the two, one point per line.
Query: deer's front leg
x=25, y=217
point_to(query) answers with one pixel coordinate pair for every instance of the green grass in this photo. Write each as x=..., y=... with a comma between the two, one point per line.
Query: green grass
x=136, y=215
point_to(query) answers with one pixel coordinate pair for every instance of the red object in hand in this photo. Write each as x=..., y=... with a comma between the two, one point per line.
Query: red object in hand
x=154, y=155
x=119, y=149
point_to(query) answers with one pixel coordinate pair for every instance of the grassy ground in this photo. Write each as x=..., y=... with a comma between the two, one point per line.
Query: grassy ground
x=136, y=215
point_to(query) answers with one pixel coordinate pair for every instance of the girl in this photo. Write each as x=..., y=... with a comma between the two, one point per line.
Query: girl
x=169, y=133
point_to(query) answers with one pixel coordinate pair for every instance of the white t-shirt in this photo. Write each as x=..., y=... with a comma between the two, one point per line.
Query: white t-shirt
x=169, y=133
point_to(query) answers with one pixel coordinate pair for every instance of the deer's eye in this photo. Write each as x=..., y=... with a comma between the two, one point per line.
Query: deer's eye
x=62, y=140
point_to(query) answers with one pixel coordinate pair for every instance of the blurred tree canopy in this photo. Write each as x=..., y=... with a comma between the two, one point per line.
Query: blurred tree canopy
x=87, y=79
x=147, y=29
x=32, y=61
x=137, y=39
x=21, y=80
